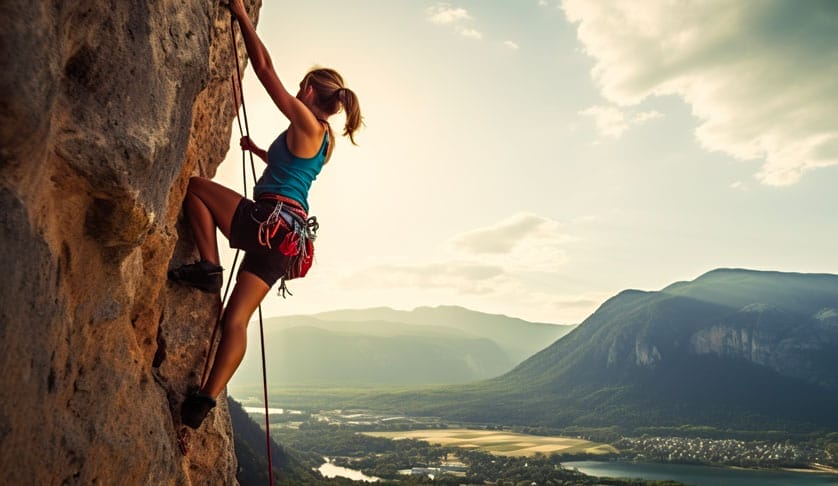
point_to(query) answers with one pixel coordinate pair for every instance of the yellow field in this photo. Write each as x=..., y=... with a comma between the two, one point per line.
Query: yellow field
x=500, y=443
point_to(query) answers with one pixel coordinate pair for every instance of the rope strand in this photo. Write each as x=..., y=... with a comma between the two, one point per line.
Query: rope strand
x=240, y=96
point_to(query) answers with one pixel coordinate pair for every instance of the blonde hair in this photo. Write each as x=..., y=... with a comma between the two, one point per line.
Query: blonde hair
x=331, y=96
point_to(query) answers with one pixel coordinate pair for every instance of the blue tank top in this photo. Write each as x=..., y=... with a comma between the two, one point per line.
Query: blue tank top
x=288, y=175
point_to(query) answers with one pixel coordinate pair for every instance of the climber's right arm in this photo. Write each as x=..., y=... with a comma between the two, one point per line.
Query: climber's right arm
x=256, y=51
x=288, y=104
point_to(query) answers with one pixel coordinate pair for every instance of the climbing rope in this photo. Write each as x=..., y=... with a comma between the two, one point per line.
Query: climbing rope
x=238, y=98
x=240, y=93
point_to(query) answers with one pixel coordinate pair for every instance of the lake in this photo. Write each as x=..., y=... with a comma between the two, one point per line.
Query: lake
x=700, y=475
x=329, y=470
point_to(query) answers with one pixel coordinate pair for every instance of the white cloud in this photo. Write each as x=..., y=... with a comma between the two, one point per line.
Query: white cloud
x=739, y=186
x=522, y=242
x=510, y=44
x=609, y=120
x=445, y=14
x=465, y=277
x=762, y=77
x=484, y=260
x=514, y=263
x=470, y=33
x=504, y=236
x=612, y=122
x=579, y=302
x=487, y=287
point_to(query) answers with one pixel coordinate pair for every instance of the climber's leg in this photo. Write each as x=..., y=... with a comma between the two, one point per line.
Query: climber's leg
x=209, y=205
x=247, y=294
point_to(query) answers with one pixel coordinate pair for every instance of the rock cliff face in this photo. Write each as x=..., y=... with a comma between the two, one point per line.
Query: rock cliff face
x=786, y=322
x=790, y=344
x=106, y=109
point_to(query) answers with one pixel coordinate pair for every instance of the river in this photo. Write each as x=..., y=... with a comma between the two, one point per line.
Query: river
x=701, y=475
x=272, y=411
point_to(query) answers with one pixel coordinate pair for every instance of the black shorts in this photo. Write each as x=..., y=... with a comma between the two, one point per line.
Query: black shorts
x=266, y=263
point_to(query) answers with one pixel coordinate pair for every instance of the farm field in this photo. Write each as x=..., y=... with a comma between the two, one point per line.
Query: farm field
x=501, y=443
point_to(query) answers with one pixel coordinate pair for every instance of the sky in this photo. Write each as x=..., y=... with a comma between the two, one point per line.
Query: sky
x=535, y=157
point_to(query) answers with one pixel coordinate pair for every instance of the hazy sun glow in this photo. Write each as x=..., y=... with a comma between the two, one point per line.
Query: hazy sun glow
x=533, y=159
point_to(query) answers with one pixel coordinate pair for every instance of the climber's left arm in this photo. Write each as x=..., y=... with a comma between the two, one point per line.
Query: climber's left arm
x=247, y=144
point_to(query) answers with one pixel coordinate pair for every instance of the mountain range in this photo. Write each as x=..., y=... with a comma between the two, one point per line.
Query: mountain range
x=734, y=348
x=382, y=346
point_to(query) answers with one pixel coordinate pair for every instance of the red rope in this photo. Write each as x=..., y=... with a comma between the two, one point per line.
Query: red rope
x=240, y=93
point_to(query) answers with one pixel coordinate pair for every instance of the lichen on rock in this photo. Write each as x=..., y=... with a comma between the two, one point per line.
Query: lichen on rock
x=107, y=109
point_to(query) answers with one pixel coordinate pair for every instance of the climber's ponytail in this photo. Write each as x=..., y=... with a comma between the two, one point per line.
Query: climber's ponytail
x=331, y=96
x=352, y=108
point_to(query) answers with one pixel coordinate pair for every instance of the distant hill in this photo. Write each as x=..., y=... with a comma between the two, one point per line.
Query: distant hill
x=519, y=338
x=733, y=348
x=440, y=345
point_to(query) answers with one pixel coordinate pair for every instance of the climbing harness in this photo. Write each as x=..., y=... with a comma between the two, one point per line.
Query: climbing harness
x=297, y=244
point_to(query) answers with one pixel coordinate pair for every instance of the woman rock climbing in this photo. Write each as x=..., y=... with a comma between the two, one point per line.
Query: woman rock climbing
x=273, y=229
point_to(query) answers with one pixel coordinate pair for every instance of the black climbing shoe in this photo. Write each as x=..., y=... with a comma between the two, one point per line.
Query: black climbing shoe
x=202, y=275
x=195, y=408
